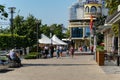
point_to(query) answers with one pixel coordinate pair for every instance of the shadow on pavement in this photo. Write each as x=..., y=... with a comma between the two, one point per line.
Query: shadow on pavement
x=25, y=65
x=6, y=70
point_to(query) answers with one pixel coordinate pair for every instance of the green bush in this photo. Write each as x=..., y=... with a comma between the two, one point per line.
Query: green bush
x=32, y=55
x=19, y=41
x=100, y=48
x=3, y=58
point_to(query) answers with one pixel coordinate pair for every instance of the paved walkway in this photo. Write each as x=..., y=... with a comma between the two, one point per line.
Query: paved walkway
x=81, y=67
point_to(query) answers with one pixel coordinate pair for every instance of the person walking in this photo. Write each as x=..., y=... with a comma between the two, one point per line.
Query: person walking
x=46, y=51
x=51, y=51
x=57, y=52
x=61, y=50
x=72, y=51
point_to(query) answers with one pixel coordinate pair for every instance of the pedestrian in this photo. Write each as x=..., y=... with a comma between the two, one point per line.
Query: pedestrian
x=46, y=51
x=57, y=52
x=81, y=49
x=67, y=52
x=51, y=51
x=60, y=50
x=72, y=51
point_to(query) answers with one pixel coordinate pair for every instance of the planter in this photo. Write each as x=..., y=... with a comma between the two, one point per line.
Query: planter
x=100, y=58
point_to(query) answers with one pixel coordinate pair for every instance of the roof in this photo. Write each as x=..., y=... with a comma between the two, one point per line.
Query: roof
x=113, y=18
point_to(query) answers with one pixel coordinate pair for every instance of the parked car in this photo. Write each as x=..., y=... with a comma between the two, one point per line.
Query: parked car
x=4, y=61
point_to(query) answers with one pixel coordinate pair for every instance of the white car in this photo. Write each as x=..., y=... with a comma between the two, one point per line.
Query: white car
x=4, y=61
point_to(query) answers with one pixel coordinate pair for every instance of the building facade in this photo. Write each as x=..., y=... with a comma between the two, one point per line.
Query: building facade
x=110, y=39
x=79, y=19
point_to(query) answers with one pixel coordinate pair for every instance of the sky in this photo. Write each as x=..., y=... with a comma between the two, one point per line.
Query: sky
x=49, y=11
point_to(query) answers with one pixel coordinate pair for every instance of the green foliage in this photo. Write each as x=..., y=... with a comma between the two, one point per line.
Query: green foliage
x=3, y=13
x=5, y=41
x=112, y=5
x=99, y=21
x=67, y=33
x=45, y=29
x=3, y=58
x=32, y=55
x=27, y=28
x=100, y=48
x=115, y=29
x=100, y=38
x=54, y=29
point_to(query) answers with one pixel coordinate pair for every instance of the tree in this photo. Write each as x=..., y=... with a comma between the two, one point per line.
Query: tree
x=45, y=29
x=3, y=13
x=67, y=34
x=19, y=27
x=115, y=29
x=54, y=29
x=27, y=28
x=112, y=5
x=100, y=21
x=57, y=30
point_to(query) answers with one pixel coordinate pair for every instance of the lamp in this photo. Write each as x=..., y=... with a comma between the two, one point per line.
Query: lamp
x=12, y=11
x=37, y=25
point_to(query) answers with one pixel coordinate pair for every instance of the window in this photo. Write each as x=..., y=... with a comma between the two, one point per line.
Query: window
x=77, y=32
x=93, y=9
x=87, y=9
x=99, y=9
x=87, y=32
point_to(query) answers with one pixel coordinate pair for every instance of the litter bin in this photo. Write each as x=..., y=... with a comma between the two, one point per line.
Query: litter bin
x=100, y=58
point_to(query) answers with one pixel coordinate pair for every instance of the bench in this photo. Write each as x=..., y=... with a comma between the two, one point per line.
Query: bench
x=113, y=56
x=110, y=56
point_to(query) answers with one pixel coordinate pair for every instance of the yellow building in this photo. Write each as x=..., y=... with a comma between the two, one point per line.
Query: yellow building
x=80, y=13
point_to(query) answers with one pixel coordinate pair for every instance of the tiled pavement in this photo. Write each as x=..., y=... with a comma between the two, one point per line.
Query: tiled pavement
x=81, y=67
x=111, y=67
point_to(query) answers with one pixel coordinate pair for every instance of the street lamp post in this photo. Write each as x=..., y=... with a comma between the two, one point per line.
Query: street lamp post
x=37, y=25
x=95, y=42
x=12, y=11
x=51, y=46
x=51, y=29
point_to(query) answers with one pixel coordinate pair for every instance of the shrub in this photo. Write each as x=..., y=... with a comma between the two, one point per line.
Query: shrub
x=32, y=55
x=100, y=48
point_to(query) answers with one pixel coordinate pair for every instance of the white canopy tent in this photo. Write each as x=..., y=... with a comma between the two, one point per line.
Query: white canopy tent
x=44, y=39
x=58, y=41
x=54, y=40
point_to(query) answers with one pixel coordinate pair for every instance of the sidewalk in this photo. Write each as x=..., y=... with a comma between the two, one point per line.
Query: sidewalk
x=66, y=68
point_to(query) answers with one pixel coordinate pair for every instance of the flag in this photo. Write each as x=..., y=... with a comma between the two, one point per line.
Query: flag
x=91, y=22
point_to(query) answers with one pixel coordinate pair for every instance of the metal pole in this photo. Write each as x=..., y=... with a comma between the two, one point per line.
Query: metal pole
x=95, y=46
x=91, y=34
x=51, y=37
x=11, y=21
x=37, y=25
